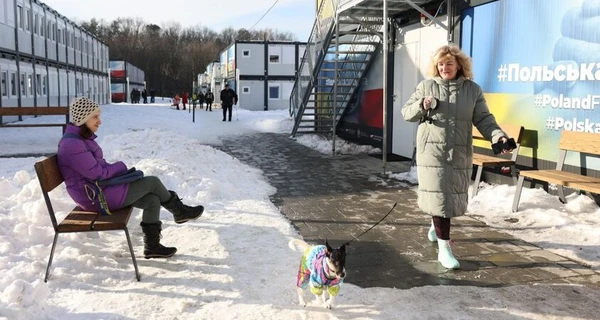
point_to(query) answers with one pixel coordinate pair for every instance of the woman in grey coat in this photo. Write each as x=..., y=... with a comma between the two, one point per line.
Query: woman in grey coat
x=447, y=106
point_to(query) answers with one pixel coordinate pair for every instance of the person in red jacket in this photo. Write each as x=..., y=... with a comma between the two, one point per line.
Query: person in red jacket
x=184, y=99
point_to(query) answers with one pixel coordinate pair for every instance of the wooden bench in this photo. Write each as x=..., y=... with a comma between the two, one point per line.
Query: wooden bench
x=35, y=111
x=582, y=142
x=78, y=220
x=481, y=160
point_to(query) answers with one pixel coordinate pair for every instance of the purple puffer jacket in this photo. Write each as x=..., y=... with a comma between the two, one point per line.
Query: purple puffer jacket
x=81, y=163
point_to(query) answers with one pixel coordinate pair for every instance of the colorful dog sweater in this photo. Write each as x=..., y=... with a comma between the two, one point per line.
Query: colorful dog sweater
x=314, y=269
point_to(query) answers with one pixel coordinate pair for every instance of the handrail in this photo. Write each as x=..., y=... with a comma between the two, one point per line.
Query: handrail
x=323, y=21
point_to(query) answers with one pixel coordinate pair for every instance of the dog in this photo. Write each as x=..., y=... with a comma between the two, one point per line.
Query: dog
x=322, y=268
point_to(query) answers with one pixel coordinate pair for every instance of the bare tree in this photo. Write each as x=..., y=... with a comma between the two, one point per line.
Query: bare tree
x=170, y=56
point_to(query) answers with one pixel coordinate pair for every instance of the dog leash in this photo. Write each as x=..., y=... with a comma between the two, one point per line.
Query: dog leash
x=373, y=226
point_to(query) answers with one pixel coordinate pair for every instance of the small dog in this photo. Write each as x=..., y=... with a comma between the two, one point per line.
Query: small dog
x=321, y=267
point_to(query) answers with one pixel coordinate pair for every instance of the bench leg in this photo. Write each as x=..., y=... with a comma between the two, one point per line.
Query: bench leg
x=137, y=272
x=561, y=194
x=476, y=183
x=515, y=206
x=51, y=256
x=513, y=172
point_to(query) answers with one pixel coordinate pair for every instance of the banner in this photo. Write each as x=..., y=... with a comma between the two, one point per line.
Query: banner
x=538, y=62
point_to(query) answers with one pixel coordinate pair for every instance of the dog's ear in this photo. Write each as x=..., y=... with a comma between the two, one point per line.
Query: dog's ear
x=329, y=248
x=343, y=248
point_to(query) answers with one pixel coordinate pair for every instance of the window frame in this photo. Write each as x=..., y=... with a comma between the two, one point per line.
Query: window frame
x=278, y=86
x=278, y=58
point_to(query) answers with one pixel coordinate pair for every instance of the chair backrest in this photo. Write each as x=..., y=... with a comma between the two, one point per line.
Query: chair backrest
x=585, y=142
x=513, y=131
x=50, y=178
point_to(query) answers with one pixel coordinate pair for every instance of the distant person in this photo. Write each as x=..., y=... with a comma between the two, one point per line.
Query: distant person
x=176, y=101
x=83, y=167
x=152, y=95
x=209, y=97
x=132, y=96
x=184, y=99
x=201, y=99
x=228, y=99
x=145, y=95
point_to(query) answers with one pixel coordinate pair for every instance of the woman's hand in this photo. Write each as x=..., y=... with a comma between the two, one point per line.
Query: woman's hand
x=427, y=103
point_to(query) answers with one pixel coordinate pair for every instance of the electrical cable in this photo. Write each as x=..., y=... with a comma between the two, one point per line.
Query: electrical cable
x=254, y=25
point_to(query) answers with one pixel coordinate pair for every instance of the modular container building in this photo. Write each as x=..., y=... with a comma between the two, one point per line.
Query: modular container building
x=46, y=59
x=124, y=77
x=262, y=72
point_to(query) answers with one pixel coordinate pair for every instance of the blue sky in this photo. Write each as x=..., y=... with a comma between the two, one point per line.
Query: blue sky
x=296, y=16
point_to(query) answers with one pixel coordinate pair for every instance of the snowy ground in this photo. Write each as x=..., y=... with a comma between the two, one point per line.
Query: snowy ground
x=234, y=262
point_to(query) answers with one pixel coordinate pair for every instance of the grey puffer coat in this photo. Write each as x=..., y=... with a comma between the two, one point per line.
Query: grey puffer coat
x=445, y=146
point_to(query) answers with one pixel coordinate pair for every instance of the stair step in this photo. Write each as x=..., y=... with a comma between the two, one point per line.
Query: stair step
x=354, y=32
x=358, y=42
x=350, y=21
x=339, y=78
x=352, y=52
x=344, y=70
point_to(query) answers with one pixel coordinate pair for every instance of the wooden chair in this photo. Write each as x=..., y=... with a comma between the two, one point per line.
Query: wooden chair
x=481, y=160
x=78, y=220
x=586, y=143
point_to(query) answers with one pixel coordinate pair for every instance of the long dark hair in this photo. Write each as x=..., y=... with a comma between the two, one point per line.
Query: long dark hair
x=85, y=132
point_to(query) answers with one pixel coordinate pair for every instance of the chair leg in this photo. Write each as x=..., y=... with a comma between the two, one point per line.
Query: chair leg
x=137, y=272
x=561, y=194
x=513, y=172
x=476, y=183
x=51, y=256
x=515, y=206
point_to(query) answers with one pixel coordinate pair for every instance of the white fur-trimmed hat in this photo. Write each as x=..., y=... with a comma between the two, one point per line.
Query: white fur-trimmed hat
x=82, y=109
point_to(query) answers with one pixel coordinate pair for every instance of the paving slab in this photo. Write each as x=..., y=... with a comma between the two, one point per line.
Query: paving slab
x=338, y=197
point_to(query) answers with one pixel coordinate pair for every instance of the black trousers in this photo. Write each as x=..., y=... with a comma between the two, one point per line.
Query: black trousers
x=225, y=108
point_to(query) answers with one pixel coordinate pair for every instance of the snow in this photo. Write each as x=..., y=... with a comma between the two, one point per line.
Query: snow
x=234, y=263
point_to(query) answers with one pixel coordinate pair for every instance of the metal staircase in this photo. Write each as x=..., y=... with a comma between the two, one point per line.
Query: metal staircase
x=346, y=37
x=338, y=55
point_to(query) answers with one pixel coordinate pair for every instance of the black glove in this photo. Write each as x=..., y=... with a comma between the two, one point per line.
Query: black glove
x=510, y=144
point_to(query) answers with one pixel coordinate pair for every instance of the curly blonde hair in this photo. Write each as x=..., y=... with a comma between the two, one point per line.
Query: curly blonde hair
x=446, y=52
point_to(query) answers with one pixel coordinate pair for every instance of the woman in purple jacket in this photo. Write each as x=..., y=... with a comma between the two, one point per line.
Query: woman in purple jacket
x=81, y=163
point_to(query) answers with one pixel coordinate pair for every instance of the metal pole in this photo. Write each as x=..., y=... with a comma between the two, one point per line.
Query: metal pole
x=335, y=77
x=385, y=81
x=109, y=87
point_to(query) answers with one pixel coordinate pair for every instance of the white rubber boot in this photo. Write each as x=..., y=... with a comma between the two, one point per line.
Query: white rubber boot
x=431, y=233
x=445, y=256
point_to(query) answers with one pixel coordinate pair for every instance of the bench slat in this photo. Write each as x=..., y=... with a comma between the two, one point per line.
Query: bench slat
x=585, y=142
x=567, y=179
x=79, y=220
x=10, y=125
x=487, y=161
x=33, y=111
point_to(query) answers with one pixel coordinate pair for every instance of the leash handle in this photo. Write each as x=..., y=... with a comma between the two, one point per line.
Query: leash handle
x=373, y=226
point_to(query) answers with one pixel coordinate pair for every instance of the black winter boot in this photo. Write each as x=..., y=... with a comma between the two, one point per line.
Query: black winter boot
x=152, y=246
x=181, y=212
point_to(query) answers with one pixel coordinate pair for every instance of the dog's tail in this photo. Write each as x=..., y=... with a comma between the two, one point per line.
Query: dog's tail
x=298, y=245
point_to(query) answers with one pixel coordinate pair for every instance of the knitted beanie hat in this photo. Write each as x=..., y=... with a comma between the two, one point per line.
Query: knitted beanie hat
x=82, y=109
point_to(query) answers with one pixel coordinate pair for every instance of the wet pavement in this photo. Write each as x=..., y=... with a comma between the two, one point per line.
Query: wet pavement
x=339, y=197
